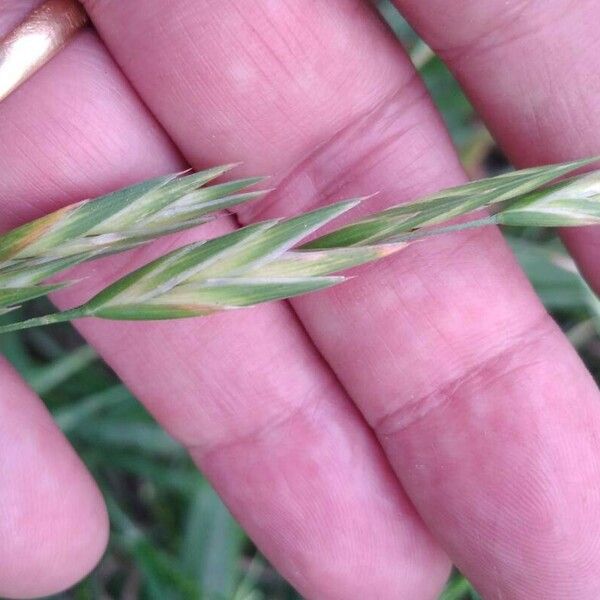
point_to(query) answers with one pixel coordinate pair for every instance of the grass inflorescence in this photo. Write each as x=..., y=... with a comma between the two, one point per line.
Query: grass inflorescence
x=264, y=261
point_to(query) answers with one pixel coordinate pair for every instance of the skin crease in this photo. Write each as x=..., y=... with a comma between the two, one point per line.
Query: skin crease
x=490, y=423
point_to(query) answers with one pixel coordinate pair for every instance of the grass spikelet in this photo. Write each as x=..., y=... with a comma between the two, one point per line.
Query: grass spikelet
x=113, y=223
x=269, y=260
x=492, y=193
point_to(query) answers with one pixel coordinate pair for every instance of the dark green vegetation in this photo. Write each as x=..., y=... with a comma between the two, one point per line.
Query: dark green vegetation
x=171, y=536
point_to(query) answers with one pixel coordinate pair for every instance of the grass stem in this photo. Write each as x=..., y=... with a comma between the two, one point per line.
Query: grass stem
x=52, y=319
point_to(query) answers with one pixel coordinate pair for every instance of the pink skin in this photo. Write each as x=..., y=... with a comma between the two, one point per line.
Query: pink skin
x=53, y=524
x=486, y=415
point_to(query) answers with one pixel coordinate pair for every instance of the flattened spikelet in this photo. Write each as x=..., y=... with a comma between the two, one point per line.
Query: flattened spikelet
x=113, y=223
x=265, y=261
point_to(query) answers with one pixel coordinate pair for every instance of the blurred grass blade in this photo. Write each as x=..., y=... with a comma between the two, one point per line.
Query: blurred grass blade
x=164, y=577
x=559, y=289
x=172, y=477
x=71, y=416
x=211, y=544
x=144, y=437
x=51, y=376
x=247, y=589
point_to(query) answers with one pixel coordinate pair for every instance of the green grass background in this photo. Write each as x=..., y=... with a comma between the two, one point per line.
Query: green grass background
x=171, y=536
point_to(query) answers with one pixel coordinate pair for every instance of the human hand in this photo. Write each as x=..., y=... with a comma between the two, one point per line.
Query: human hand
x=427, y=411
